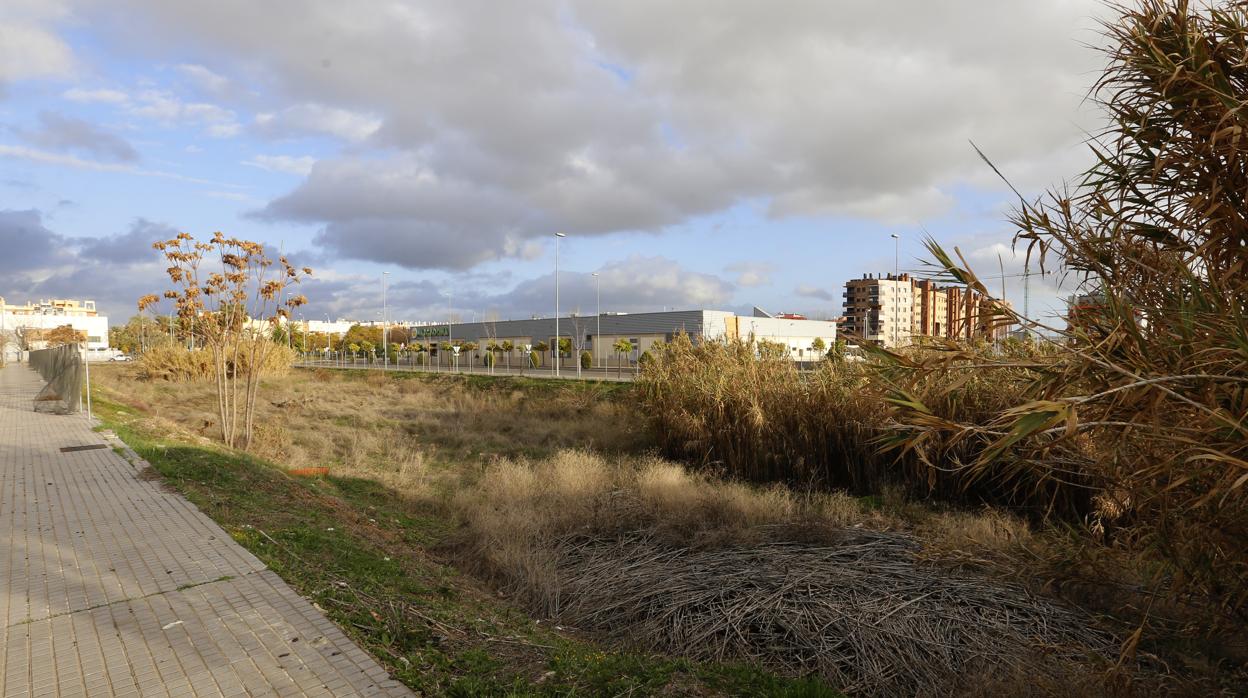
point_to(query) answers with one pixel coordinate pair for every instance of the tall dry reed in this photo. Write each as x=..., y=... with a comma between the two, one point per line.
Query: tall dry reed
x=760, y=419
x=756, y=417
x=178, y=364
x=1144, y=393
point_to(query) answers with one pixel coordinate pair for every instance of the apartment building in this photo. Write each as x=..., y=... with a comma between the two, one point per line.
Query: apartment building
x=880, y=309
x=16, y=320
x=894, y=311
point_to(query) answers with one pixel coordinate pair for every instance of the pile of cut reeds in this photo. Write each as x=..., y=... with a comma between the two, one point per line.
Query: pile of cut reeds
x=864, y=614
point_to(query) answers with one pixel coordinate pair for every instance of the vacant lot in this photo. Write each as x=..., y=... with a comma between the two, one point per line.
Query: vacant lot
x=510, y=536
x=374, y=543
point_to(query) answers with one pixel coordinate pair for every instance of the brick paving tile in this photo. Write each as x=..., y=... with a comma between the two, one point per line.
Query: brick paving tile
x=112, y=586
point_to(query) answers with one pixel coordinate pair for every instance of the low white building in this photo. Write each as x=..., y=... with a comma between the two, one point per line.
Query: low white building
x=338, y=327
x=798, y=335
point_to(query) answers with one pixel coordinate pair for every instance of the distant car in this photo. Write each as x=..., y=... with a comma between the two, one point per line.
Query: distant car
x=121, y=357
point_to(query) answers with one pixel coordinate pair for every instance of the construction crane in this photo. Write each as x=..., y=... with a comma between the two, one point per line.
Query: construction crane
x=1026, y=275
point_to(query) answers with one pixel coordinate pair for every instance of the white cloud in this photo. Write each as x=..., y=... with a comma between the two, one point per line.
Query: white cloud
x=59, y=159
x=205, y=79
x=752, y=274
x=283, y=163
x=29, y=49
x=169, y=110
x=104, y=96
x=809, y=291
x=317, y=118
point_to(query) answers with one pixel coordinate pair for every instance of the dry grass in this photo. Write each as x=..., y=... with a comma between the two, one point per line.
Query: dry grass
x=399, y=430
x=514, y=508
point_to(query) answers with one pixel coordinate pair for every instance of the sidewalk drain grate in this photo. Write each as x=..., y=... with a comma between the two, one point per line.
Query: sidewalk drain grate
x=92, y=447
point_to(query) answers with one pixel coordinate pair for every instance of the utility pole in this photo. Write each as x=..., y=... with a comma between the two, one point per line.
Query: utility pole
x=1027, y=300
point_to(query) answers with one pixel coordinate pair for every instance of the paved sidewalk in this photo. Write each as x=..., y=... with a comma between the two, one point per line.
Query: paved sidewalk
x=110, y=585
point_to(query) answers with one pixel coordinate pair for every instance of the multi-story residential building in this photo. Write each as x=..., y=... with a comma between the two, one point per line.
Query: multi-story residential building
x=880, y=309
x=895, y=311
x=17, y=320
x=931, y=316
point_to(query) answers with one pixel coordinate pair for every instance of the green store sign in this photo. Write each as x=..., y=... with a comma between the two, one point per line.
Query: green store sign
x=433, y=331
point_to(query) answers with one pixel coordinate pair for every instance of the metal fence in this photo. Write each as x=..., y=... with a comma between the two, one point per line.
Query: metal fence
x=62, y=369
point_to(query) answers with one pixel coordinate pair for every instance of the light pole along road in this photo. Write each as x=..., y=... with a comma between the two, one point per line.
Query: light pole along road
x=598, y=330
x=896, y=286
x=385, y=323
x=557, y=347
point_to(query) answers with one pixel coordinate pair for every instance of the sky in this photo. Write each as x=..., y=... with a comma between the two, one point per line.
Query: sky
x=714, y=154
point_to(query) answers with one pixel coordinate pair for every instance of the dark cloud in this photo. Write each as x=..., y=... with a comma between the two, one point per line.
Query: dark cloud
x=28, y=245
x=115, y=291
x=635, y=284
x=69, y=134
x=389, y=213
x=111, y=270
x=129, y=248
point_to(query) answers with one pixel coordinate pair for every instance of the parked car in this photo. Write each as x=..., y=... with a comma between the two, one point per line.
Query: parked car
x=121, y=357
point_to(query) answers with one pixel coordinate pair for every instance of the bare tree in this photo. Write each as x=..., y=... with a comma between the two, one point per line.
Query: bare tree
x=235, y=309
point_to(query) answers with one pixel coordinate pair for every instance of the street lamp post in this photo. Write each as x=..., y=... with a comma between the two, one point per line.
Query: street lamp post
x=557, y=347
x=385, y=324
x=896, y=285
x=598, y=331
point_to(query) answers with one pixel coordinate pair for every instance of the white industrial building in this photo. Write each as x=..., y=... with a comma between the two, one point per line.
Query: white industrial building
x=598, y=334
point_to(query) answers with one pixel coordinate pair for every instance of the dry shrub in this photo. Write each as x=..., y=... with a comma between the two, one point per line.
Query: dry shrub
x=176, y=363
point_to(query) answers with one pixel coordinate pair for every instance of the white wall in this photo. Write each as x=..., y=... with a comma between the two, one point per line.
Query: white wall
x=336, y=327
x=797, y=335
